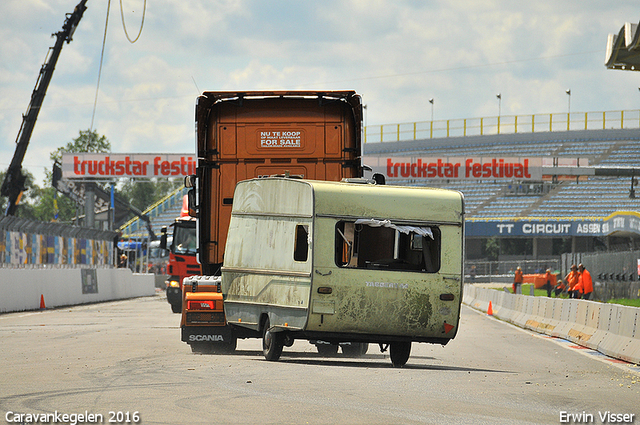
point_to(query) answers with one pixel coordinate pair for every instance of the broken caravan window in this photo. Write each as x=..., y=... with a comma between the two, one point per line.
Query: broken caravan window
x=380, y=244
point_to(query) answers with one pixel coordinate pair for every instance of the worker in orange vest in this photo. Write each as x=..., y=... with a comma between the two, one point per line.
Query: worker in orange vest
x=585, y=282
x=572, y=280
x=548, y=278
x=517, y=281
x=578, y=289
x=559, y=288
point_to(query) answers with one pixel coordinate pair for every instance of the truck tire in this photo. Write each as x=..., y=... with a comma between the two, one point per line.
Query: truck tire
x=272, y=343
x=399, y=353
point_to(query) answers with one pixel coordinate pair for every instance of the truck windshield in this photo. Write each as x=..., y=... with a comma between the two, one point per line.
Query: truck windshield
x=373, y=244
x=184, y=240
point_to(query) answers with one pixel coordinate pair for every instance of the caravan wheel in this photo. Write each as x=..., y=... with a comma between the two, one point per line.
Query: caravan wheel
x=399, y=353
x=272, y=343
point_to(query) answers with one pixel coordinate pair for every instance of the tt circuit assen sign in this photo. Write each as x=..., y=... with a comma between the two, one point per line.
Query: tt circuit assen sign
x=620, y=223
x=456, y=168
x=108, y=165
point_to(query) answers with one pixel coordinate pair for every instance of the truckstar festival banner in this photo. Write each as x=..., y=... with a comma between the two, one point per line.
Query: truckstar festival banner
x=108, y=165
x=457, y=168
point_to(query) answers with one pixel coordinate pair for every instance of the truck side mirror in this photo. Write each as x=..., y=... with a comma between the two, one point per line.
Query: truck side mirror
x=190, y=181
x=191, y=199
x=163, y=237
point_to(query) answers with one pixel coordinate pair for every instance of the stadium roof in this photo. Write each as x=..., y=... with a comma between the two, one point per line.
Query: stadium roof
x=623, y=49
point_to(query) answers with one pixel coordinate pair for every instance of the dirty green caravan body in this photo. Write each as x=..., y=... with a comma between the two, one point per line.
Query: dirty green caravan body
x=338, y=262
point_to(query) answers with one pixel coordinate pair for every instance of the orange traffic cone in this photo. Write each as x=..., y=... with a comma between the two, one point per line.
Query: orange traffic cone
x=42, y=307
x=490, y=309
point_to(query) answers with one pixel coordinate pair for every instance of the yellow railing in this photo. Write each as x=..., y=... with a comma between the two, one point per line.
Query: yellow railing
x=505, y=124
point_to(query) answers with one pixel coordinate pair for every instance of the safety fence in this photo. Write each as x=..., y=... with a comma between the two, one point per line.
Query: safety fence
x=504, y=124
x=614, y=274
x=31, y=244
x=504, y=270
x=611, y=329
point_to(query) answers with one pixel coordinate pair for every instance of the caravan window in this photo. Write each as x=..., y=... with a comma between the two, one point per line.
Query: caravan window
x=301, y=245
x=381, y=244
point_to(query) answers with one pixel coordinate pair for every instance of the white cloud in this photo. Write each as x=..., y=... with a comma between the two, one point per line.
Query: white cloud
x=397, y=54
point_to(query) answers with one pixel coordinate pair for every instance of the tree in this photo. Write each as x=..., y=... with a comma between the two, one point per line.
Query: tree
x=39, y=204
x=29, y=199
x=144, y=193
x=87, y=141
x=492, y=248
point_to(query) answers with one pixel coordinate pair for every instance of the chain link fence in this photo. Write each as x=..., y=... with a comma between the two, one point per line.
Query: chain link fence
x=503, y=271
x=614, y=274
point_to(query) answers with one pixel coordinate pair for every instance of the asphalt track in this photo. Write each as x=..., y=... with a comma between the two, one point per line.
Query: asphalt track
x=126, y=357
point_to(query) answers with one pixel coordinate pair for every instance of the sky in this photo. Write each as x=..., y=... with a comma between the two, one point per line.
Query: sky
x=396, y=54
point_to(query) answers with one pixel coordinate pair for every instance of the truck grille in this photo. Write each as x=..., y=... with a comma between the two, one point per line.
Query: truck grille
x=211, y=318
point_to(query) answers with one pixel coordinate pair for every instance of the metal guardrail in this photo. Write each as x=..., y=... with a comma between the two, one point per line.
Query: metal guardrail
x=504, y=124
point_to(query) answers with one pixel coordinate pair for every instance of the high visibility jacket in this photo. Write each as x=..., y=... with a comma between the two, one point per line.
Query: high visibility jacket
x=518, y=277
x=578, y=288
x=572, y=279
x=586, y=282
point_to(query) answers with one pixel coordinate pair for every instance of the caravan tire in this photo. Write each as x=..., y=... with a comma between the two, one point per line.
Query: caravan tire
x=399, y=353
x=272, y=343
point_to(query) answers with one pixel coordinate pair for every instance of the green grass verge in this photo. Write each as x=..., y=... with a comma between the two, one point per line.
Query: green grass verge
x=624, y=301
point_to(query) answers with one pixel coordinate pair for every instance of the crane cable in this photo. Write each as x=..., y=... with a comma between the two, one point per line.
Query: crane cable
x=104, y=42
x=124, y=26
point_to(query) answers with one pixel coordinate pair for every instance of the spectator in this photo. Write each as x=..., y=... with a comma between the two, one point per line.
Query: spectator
x=578, y=289
x=517, y=281
x=572, y=280
x=559, y=288
x=548, y=277
x=585, y=282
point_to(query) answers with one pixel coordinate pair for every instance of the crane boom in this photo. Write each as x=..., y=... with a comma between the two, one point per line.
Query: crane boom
x=13, y=183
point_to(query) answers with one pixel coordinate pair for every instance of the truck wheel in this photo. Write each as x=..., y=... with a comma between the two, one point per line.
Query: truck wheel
x=176, y=308
x=272, y=343
x=327, y=350
x=399, y=353
x=355, y=349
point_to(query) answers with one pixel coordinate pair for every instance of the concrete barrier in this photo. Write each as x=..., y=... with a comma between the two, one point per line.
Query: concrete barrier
x=611, y=329
x=24, y=289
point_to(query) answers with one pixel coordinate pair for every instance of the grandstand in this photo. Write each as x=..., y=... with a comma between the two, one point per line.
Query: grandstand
x=597, y=212
x=161, y=214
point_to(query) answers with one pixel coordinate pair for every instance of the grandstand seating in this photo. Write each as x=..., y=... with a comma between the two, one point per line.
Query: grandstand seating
x=162, y=213
x=592, y=197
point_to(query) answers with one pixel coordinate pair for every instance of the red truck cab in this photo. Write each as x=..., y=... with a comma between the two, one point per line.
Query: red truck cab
x=182, y=257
